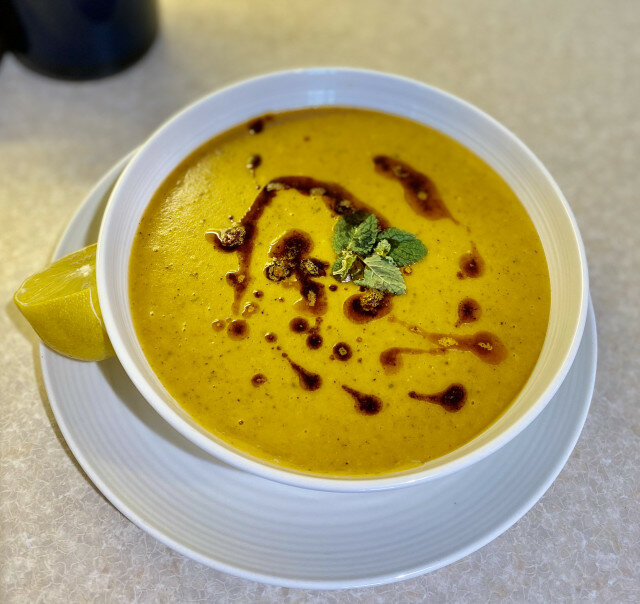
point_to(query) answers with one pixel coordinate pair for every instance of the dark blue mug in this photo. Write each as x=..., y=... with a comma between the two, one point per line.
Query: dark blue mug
x=79, y=39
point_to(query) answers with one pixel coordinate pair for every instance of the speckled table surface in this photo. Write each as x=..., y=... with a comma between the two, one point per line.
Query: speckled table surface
x=565, y=76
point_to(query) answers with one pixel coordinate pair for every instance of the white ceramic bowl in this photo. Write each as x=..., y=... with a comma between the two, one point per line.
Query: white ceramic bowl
x=355, y=88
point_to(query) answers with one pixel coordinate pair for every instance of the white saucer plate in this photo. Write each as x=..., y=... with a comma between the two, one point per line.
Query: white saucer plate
x=270, y=532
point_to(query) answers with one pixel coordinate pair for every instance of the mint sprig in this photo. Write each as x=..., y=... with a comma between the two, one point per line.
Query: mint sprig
x=372, y=258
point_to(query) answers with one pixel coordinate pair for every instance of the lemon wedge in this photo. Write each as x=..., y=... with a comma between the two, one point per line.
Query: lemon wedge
x=61, y=304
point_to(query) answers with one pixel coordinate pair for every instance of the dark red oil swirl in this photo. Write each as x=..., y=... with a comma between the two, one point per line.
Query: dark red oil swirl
x=307, y=379
x=452, y=398
x=367, y=404
x=238, y=329
x=357, y=311
x=290, y=258
x=485, y=345
x=472, y=264
x=258, y=379
x=342, y=351
x=419, y=190
x=256, y=126
x=254, y=162
x=314, y=341
x=299, y=325
x=469, y=311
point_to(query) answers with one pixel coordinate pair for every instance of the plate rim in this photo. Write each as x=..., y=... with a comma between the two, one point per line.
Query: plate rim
x=103, y=184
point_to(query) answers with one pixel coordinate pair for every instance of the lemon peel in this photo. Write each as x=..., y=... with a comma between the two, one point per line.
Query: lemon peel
x=61, y=304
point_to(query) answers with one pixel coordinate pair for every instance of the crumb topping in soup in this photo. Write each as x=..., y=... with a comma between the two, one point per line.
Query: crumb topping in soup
x=339, y=291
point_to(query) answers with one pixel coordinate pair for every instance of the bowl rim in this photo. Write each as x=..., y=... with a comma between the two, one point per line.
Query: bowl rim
x=254, y=465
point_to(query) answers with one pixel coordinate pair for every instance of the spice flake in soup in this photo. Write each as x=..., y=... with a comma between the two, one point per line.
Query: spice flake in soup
x=339, y=291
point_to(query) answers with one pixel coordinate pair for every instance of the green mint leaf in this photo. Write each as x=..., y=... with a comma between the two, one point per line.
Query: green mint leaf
x=383, y=274
x=406, y=248
x=383, y=248
x=344, y=230
x=364, y=236
x=355, y=233
x=342, y=266
x=342, y=235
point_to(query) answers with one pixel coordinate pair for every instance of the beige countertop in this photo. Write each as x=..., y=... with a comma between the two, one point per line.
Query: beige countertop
x=565, y=76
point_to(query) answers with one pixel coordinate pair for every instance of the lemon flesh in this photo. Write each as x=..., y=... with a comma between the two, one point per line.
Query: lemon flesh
x=61, y=304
